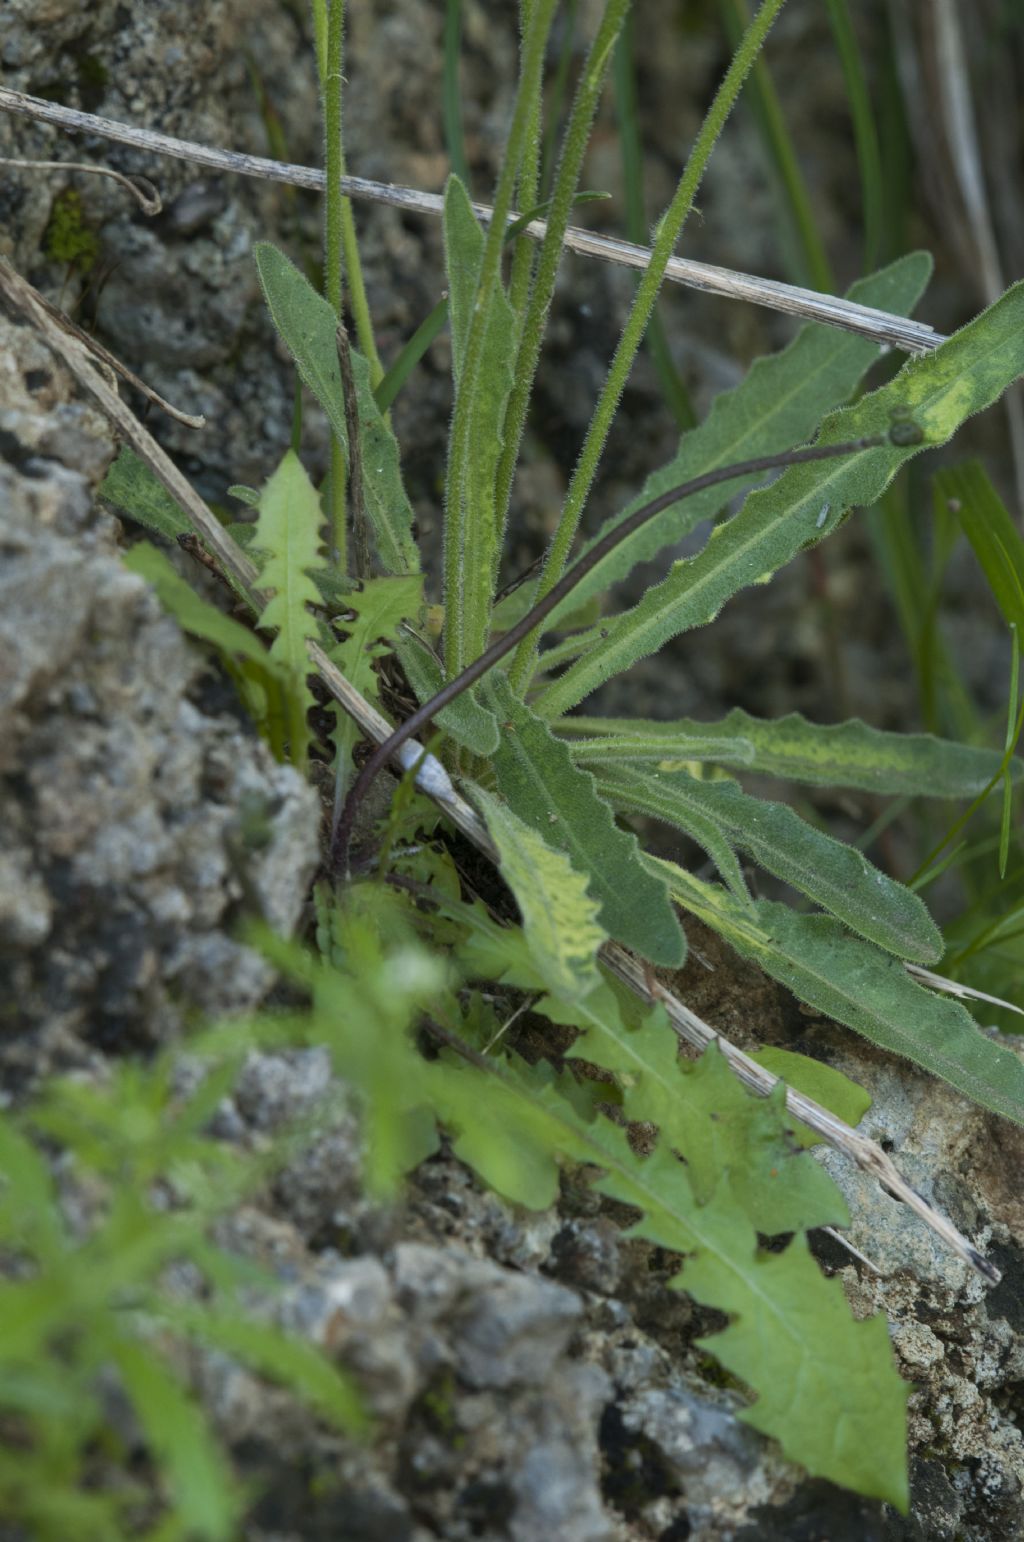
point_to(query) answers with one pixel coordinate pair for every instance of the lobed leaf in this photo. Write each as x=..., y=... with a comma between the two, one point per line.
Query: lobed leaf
x=856, y=984
x=778, y=404
x=834, y=875
x=927, y=402
x=542, y=786
x=288, y=539
x=725, y=1134
x=559, y=916
x=849, y=754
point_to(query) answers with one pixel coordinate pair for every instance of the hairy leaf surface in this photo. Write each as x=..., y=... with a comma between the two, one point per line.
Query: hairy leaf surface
x=858, y=985
x=778, y=404
x=834, y=875
x=537, y=777
x=308, y=327
x=478, y=520
x=131, y=486
x=939, y=391
x=468, y=723
x=849, y=754
x=559, y=916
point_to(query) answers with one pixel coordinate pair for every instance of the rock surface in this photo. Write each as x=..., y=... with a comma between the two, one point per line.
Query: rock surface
x=532, y=1377
x=138, y=820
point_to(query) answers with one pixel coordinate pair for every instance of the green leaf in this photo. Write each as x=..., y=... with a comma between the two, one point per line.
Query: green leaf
x=856, y=984
x=968, y=492
x=847, y=1099
x=464, y=719
x=725, y=1133
x=182, y=1444
x=288, y=538
x=478, y=520
x=636, y=792
x=828, y=1388
x=193, y=614
x=834, y=875
x=939, y=391
x=559, y=916
x=537, y=778
x=308, y=326
x=849, y=754
x=132, y=487
x=380, y=606
x=292, y=1361
x=779, y=403
x=511, y=1149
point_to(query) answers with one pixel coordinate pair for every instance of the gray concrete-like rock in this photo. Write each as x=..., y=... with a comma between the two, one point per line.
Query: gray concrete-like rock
x=123, y=853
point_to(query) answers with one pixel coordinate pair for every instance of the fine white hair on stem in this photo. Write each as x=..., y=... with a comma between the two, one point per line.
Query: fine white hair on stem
x=880, y=326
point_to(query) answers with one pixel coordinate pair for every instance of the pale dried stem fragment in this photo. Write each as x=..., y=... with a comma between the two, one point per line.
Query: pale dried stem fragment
x=889, y=330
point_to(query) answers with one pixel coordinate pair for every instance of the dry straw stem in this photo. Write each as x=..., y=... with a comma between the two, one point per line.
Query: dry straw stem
x=892, y=331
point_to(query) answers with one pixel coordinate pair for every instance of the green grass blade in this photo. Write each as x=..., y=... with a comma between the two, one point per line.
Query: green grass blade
x=432, y=326
x=1004, y=829
x=451, y=91
x=859, y=985
x=206, y=1498
x=667, y=233
x=865, y=136
x=832, y=874
x=807, y=251
x=940, y=391
x=624, y=75
x=967, y=491
x=778, y=404
x=542, y=786
x=849, y=754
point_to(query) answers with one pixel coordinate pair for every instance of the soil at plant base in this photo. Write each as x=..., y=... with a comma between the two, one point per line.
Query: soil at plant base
x=532, y=1376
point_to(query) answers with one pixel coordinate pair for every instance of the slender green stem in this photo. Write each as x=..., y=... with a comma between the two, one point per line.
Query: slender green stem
x=865, y=136
x=624, y=73
x=341, y=248
x=460, y=448
x=577, y=136
x=451, y=95
x=666, y=237
x=527, y=191
x=815, y=268
x=331, y=93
